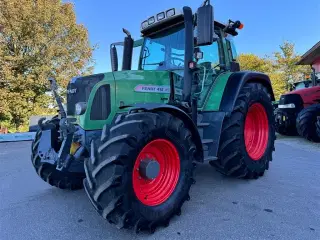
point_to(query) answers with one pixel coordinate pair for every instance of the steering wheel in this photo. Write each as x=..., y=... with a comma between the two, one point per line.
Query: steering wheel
x=207, y=65
x=178, y=59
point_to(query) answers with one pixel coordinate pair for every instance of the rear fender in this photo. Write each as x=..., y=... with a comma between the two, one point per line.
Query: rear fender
x=235, y=83
x=179, y=113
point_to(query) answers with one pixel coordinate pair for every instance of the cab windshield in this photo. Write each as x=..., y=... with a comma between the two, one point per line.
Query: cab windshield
x=302, y=85
x=165, y=51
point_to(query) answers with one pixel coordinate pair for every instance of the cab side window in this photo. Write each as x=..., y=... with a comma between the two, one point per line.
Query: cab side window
x=231, y=50
x=210, y=54
x=209, y=68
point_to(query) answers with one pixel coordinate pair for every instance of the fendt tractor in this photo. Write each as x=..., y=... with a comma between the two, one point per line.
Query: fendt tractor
x=298, y=110
x=136, y=136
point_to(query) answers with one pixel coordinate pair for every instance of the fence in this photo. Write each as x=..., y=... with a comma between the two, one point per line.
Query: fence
x=15, y=137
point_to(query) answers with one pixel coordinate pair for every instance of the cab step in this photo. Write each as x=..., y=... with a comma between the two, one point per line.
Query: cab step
x=207, y=143
x=210, y=159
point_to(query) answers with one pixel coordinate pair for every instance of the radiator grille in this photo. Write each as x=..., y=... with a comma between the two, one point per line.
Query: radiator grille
x=101, y=106
x=79, y=90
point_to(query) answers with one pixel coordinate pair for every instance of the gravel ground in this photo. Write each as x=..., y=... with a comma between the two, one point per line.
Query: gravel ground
x=284, y=204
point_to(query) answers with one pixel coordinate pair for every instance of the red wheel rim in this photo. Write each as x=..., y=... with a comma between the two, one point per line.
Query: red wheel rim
x=156, y=191
x=256, y=131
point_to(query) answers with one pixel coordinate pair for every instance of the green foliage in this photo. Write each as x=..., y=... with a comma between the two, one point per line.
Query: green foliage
x=281, y=68
x=286, y=61
x=38, y=39
x=278, y=84
x=265, y=65
x=255, y=63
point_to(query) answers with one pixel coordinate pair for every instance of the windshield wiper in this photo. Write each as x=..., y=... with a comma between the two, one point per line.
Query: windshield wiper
x=146, y=53
x=159, y=63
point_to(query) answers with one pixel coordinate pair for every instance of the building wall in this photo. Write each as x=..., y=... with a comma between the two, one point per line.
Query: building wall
x=316, y=65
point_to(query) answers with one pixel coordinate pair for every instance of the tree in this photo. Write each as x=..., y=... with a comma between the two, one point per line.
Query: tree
x=278, y=84
x=286, y=60
x=265, y=65
x=255, y=63
x=38, y=39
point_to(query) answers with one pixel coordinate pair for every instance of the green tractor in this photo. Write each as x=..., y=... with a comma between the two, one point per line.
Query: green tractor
x=137, y=135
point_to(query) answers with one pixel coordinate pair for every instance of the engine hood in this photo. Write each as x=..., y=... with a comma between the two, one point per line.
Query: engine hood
x=308, y=95
x=144, y=86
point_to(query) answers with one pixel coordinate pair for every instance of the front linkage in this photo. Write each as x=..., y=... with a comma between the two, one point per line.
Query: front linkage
x=67, y=136
x=57, y=154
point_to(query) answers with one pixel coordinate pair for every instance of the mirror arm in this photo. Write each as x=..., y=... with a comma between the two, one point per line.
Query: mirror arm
x=205, y=3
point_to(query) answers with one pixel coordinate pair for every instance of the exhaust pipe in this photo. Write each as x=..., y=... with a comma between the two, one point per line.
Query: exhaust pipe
x=114, y=58
x=127, y=51
x=313, y=76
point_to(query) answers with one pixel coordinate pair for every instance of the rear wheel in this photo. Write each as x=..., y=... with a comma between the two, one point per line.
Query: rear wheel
x=140, y=175
x=48, y=171
x=248, y=135
x=306, y=123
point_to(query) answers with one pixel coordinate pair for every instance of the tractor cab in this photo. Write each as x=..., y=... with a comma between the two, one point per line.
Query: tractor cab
x=310, y=81
x=301, y=85
x=183, y=46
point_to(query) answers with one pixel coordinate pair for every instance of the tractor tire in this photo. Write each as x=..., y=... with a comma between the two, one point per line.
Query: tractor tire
x=286, y=131
x=285, y=128
x=115, y=180
x=248, y=135
x=306, y=123
x=318, y=126
x=48, y=172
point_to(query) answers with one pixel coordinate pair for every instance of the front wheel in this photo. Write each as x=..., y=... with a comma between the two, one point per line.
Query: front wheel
x=248, y=135
x=140, y=174
x=285, y=122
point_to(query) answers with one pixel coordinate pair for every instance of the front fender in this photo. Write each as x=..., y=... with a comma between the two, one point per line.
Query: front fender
x=177, y=112
x=235, y=83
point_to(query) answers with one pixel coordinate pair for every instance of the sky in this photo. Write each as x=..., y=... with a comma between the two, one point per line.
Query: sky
x=267, y=23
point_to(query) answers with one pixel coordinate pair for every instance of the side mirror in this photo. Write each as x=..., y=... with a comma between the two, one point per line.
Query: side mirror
x=205, y=27
x=114, y=58
x=234, y=67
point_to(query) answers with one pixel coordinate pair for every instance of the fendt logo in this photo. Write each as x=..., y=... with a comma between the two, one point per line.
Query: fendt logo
x=72, y=91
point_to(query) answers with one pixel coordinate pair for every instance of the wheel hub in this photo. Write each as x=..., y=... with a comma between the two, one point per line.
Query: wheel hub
x=156, y=172
x=149, y=169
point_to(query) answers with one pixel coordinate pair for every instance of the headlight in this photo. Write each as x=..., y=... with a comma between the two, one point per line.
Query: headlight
x=160, y=17
x=81, y=107
x=144, y=25
x=151, y=20
x=290, y=105
x=171, y=12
